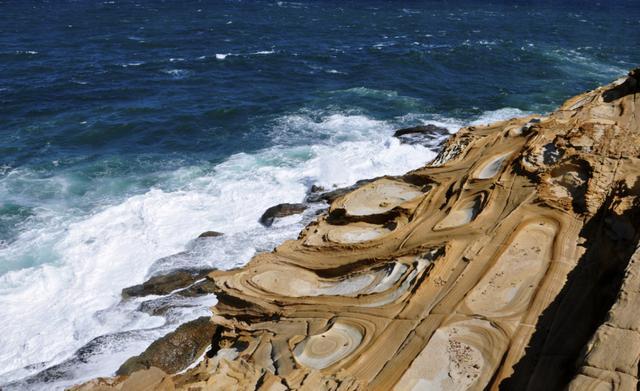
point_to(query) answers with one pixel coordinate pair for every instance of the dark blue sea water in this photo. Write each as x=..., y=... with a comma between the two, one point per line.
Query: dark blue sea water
x=129, y=127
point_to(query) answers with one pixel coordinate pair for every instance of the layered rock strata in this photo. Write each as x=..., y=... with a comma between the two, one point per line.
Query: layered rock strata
x=509, y=262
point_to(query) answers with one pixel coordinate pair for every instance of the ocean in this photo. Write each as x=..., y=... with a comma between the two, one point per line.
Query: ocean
x=130, y=127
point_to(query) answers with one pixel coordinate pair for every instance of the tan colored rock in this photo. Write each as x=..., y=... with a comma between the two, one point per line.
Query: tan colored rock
x=507, y=263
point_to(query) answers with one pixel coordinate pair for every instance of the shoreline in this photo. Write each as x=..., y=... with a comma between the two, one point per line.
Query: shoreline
x=433, y=258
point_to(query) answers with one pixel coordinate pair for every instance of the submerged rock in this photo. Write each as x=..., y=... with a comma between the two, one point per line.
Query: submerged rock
x=281, y=210
x=316, y=189
x=176, y=350
x=210, y=234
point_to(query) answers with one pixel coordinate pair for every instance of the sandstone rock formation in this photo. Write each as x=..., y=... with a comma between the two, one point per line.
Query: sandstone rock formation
x=510, y=262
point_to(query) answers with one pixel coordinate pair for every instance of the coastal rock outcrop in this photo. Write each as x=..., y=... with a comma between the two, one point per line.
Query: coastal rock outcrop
x=428, y=135
x=280, y=210
x=510, y=262
x=176, y=350
x=166, y=283
x=210, y=234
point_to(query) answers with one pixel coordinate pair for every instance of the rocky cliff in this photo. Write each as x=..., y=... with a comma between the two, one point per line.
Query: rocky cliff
x=510, y=262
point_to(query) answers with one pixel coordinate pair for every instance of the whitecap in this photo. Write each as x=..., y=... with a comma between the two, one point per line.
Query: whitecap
x=132, y=64
x=177, y=73
x=136, y=38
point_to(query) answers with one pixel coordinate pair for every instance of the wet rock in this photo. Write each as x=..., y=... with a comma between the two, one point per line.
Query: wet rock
x=158, y=307
x=210, y=234
x=162, y=305
x=316, y=189
x=200, y=288
x=281, y=210
x=176, y=350
x=427, y=135
x=166, y=283
x=330, y=196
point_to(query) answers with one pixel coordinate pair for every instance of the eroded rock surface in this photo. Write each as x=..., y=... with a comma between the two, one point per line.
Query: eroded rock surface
x=509, y=262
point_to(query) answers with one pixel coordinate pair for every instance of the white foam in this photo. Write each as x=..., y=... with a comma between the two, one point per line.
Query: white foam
x=132, y=64
x=136, y=38
x=502, y=114
x=222, y=56
x=177, y=73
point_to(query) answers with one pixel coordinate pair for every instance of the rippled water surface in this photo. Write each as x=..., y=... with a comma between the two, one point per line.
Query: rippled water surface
x=129, y=127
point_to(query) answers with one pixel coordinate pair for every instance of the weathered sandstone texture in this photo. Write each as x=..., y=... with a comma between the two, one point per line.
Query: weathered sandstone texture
x=510, y=262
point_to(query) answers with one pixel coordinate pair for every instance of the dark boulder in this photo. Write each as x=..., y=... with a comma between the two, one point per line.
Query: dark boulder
x=176, y=350
x=281, y=210
x=316, y=189
x=427, y=135
x=166, y=283
x=420, y=129
x=210, y=234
